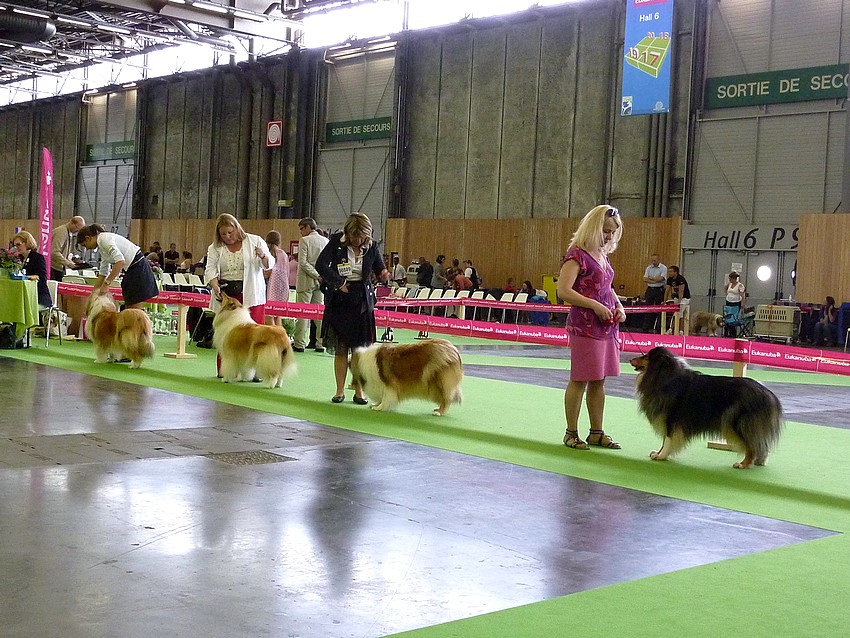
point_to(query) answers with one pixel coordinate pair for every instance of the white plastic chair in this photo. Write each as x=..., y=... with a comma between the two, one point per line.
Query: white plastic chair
x=521, y=297
x=180, y=279
x=194, y=280
x=421, y=293
x=166, y=279
x=52, y=313
x=506, y=297
x=476, y=294
x=460, y=311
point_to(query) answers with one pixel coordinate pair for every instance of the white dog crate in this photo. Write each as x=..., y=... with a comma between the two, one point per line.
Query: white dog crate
x=777, y=322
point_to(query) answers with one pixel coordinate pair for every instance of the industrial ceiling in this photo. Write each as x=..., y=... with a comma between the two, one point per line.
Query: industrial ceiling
x=50, y=37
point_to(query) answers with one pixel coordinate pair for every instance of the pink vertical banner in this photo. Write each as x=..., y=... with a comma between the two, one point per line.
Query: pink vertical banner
x=45, y=203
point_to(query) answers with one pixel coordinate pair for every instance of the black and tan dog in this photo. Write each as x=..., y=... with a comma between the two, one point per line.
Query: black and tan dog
x=682, y=404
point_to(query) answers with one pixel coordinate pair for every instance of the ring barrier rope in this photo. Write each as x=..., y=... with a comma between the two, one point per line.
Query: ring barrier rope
x=741, y=351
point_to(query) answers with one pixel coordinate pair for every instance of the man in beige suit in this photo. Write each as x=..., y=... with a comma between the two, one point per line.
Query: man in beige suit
x=62, y=245
x=307, y=281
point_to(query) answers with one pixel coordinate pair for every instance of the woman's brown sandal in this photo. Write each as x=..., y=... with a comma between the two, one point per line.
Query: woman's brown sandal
x=571, y=439
x=600, y=439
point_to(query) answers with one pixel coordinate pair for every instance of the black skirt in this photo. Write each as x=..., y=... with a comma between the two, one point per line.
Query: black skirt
x=139, y=282
x=348, y=321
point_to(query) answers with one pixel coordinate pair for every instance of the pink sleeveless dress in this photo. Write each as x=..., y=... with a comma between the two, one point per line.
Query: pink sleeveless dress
x=278, y=288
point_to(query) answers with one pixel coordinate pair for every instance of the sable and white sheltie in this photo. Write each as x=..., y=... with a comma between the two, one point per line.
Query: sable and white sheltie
x=390, y=373
x=682, y=404
x=118, y=334
x=711, y=322
x=247, y=348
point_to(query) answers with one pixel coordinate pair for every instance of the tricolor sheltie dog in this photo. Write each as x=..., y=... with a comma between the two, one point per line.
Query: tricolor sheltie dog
x=682, y=404
x=390, y=373
x=115, y=335
x=247, y=348
x=711, y=322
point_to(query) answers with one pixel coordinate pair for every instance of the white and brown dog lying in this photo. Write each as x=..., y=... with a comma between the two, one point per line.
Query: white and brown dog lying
x=247, y=348
x=390, y=373
x=711, y=322
x=116, y=335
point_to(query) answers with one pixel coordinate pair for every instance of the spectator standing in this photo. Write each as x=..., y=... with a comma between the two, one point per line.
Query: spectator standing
x=470, y=273
x=277, y=277
x=425, y=273
x=307, y=282
x=677, y=291
x=735, y=292
x=655, y=278
x=595, y=312
x=438, y=278
x=62, y=245
x=399, y=272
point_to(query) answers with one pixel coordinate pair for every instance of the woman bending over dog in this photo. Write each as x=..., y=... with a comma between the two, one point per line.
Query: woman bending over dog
x=595, y=312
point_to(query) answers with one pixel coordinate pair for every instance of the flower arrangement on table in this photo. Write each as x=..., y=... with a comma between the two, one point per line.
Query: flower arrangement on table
x=10, y=260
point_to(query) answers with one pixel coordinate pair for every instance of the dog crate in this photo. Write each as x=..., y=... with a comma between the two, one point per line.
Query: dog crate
x=777, y=322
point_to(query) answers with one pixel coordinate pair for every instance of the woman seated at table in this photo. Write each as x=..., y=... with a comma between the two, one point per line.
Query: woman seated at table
x=35, y=266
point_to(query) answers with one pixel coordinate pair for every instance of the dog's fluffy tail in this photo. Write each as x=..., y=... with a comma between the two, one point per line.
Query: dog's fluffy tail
x=135, y=333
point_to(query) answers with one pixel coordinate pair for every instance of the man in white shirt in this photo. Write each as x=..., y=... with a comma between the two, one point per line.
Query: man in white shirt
x=307, y=281
x=62, y=245
x=655, y=278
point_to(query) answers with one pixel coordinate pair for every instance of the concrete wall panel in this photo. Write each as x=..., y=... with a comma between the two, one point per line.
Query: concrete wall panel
x=519, y=127
x=453, y=127
x=485, y=124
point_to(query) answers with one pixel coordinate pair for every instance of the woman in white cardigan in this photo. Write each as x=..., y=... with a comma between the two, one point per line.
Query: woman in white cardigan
x=235, y=264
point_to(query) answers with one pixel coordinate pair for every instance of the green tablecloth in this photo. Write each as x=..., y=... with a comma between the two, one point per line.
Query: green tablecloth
x=19, y=304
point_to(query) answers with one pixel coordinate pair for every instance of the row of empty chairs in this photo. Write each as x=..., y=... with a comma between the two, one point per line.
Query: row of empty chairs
x=419, y=293
x=182, y=279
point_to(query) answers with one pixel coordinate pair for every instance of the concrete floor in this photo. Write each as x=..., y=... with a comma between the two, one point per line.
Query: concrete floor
x=205, y=519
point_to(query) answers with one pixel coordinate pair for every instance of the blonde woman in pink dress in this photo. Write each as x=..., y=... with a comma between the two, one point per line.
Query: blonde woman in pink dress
x=277, y=277
x=593, y=324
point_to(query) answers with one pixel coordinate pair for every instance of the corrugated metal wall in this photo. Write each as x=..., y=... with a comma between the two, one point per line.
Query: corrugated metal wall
x=771, y=163
x=355, y=176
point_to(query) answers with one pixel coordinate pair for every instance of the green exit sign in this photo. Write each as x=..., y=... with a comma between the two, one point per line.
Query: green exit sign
x=126, y=149
x=372, y=129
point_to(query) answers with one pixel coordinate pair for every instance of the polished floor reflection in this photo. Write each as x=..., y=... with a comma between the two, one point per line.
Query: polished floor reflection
x=346, y=535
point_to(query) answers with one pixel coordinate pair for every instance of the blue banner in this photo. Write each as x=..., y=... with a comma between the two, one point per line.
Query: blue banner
x=647, y=48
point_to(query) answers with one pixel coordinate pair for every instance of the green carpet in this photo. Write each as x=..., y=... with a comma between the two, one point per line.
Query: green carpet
x=798, y=590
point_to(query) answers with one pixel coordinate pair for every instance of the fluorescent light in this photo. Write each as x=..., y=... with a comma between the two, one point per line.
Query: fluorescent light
x=112, y=29
x=27, y=12
x=35, y=49
x=78, y=23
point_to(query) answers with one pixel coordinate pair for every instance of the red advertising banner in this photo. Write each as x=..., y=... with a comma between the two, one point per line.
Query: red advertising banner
x=45, y=203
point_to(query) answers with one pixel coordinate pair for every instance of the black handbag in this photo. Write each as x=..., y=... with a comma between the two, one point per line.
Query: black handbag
x=232, y=287
x=9, y=338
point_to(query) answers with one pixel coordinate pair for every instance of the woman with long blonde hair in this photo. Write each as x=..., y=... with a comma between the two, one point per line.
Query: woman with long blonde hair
x=595, y=312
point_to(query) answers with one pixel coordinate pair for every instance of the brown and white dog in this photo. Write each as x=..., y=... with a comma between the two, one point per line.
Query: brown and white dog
x=390, y=373
x=247, y=348
x=115, y=335
x=682, y=404
x=711, y=322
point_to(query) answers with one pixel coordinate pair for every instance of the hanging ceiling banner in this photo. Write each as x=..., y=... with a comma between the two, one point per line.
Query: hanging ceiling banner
x=647, y=47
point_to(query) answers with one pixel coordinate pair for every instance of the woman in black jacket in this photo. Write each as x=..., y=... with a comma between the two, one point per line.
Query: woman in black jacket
x=346, y=265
